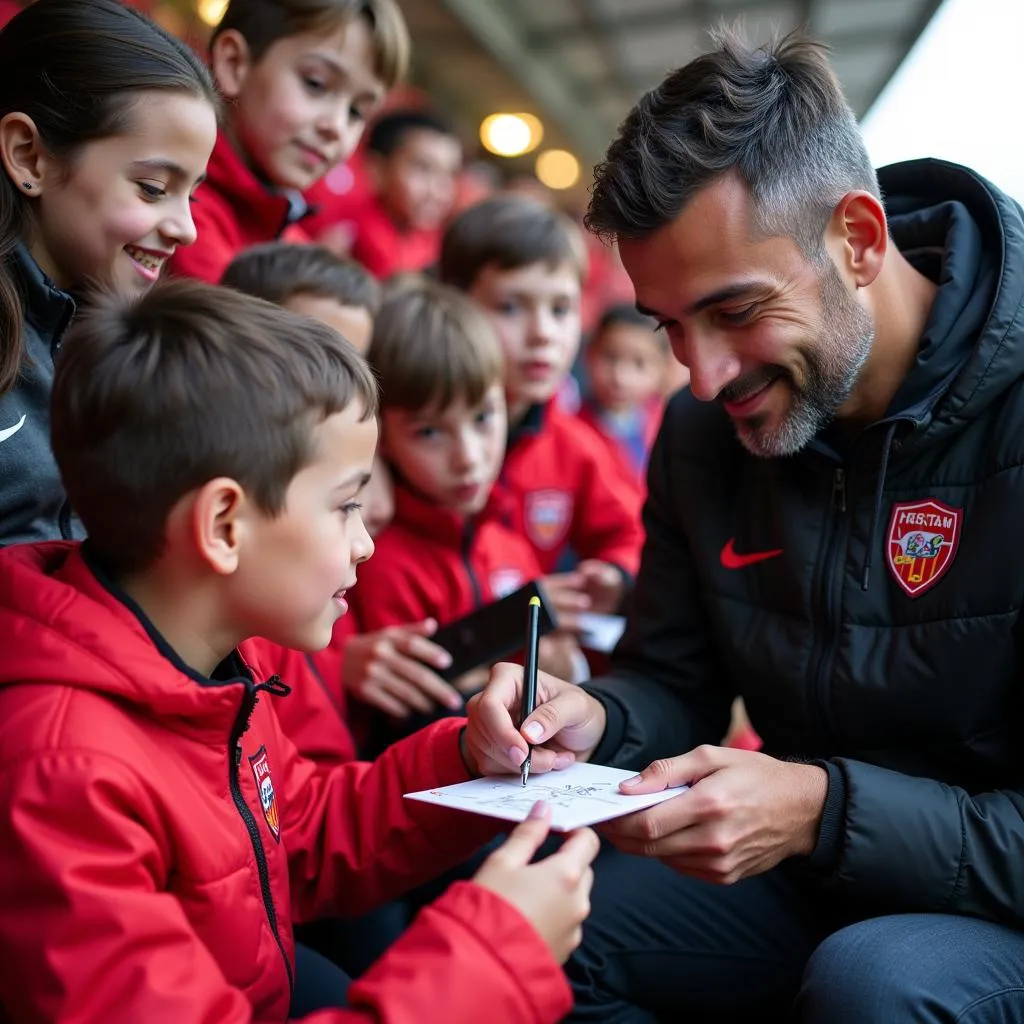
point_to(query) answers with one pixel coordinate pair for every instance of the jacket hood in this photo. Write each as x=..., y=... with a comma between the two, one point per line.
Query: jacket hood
x=968, y=237
x=61, y=625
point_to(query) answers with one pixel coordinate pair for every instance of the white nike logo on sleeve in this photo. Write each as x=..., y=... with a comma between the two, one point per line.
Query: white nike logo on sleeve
x=11, y=431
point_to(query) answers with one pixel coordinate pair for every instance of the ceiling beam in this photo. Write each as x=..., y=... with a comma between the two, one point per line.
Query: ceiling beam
x=494, y=25
x=694, y=15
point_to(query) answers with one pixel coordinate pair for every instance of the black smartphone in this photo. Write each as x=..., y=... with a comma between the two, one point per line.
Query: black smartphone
x=492, y=632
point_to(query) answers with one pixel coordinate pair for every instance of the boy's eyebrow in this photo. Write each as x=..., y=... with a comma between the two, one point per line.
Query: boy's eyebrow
x=727, y=294
x=359, y=479
x=338, y=69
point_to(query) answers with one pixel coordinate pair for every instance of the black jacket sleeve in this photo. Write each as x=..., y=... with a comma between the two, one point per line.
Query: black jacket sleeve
x=666, y=692
x=915, y=844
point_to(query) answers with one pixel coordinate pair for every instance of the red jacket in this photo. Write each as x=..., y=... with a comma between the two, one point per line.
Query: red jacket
x=383, y=248
x=569, y=491
x=315, y=715
x=652, y=414
x=158, y=834
x=232, y=210
x=430, y=562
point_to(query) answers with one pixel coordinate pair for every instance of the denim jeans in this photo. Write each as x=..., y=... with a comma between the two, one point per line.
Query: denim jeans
x=659, y=946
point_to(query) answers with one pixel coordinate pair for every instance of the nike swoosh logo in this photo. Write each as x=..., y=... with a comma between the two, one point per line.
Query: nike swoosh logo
x=11, y=431
x=732, y=560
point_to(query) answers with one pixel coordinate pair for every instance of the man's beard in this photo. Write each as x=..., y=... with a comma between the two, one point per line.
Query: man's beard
x=832, y=368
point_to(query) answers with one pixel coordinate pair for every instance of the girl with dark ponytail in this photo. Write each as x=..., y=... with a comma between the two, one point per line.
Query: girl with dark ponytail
x=106, y=126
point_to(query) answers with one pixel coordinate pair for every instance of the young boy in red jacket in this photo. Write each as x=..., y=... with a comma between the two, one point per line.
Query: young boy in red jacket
x=523, y=262
x=414, y=158
x=450, y=548
x=300, y=79
x=158, y=831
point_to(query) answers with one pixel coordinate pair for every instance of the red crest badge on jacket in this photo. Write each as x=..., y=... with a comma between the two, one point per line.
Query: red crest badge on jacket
x=922, y=542
x=260, y=765
x=548, y=514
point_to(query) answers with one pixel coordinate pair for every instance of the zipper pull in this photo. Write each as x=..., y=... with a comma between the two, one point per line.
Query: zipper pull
x=839, y=491
x=274, y=686
x=238, y=753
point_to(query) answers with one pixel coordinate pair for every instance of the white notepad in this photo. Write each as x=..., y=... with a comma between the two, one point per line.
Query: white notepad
x=600, y=632
x=582, y=794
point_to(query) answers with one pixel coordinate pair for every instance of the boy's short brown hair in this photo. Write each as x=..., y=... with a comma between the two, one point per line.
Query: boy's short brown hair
x=155, y=397
x=508, y=232
x=278, y=271
x=263, y=22
x=431, y=346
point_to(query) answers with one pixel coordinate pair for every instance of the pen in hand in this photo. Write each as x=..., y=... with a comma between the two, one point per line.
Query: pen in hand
x=529, y=701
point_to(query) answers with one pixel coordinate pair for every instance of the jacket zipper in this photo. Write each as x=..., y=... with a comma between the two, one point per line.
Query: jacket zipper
x=234, y=762
x=467, y=561
x=829, y=599
x=64, y=519
x=64, y=513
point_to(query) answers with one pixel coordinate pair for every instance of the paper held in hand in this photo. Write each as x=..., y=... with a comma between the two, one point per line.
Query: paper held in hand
x=582, y=794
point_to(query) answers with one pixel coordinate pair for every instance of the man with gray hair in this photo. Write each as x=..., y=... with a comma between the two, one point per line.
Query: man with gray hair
x=831, y=527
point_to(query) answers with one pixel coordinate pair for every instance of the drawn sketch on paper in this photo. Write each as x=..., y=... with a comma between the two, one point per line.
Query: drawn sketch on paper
x=514, y=796
x=582, y=794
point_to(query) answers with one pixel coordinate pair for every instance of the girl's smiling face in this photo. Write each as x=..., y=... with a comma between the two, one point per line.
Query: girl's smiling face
x=114, y=214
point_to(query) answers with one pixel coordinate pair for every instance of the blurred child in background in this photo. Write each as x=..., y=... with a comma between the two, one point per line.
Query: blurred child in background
x=449, y=550
x=311, y=280
x=627, y=360
x=523, y=262
x=414, y=158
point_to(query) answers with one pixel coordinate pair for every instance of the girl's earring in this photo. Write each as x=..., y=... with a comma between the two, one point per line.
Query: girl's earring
x=27, y=186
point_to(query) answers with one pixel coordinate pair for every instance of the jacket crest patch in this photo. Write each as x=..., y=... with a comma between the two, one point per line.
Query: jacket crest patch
x=548, y=514
x=922, y=542
x=260, y=765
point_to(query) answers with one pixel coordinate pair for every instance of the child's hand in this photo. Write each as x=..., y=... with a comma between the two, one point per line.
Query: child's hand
x=391, y=670
x=472, y=681
x=553, y=894
x=604, y=585
x=566, y=592
x=560, y=656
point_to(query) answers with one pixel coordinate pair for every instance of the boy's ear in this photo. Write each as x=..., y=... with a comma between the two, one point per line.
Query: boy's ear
x=23, y=154
x=219, y=523
x=231, y=61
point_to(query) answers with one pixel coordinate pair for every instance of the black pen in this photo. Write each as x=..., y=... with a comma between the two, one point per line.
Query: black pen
x=530, y=674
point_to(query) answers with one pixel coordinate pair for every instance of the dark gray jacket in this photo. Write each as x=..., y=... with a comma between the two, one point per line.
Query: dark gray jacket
x=882, y=636
x=32, y=502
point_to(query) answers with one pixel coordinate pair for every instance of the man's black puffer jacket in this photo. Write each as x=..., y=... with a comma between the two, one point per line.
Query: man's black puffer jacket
x=880, y=630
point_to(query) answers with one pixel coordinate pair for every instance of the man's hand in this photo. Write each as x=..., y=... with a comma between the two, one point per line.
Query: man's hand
x=391, y=670
x=744, y=813
x=566, y=726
